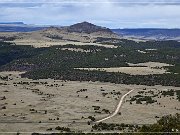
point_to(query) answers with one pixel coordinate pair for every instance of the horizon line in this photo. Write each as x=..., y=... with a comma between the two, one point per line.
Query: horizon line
x=54, y=25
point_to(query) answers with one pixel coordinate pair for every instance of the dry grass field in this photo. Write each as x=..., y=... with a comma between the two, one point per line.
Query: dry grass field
x=37, y=105
x=41, y=43
x=136, y=69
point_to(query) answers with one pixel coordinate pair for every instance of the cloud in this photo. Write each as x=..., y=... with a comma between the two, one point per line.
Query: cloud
x=85, y=2
x=109, y=13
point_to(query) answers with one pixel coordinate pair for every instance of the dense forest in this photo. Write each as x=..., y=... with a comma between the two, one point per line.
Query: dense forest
x=57, y=63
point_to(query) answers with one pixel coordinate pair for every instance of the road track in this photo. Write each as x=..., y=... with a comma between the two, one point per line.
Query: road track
x=117, y=109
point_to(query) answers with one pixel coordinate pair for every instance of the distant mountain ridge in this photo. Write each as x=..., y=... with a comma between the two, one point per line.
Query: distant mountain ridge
x=81, y=32
x=18, y=27
x=12, y=23
x=13, y=28
x=150, y=33
x=83, y=27
x=89, y=28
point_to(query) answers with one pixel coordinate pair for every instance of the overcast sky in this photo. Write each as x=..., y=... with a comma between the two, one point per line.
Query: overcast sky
x=108, y=13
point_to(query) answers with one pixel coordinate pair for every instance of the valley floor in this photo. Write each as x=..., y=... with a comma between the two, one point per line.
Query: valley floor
x=38, y=105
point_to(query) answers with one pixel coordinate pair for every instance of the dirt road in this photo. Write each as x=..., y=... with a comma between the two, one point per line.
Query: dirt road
x=117, y=109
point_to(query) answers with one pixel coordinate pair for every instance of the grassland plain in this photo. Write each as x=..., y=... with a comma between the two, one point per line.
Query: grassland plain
x=41, y=88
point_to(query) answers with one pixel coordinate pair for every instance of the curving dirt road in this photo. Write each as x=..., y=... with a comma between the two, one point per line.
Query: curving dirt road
x=117, y=109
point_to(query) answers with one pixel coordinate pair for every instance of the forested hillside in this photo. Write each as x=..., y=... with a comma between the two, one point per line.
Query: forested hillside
x=58, y=63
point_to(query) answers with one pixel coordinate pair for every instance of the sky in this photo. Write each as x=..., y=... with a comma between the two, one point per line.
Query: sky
x=107, y=13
